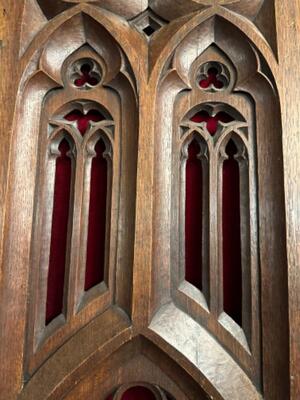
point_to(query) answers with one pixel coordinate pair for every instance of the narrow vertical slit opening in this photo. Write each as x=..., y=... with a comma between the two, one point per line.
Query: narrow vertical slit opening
x=231, y=230
x=96, y=240
x=59, y=233
x=193, y=216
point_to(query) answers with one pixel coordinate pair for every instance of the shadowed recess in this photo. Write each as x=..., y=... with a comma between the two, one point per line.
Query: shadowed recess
x=193, y=216
x=211, y=79
x=83, y=120
x=95, y=261
x=140, y=393
x=86, y=77
x=59, y=233
x=232, y=265
x=212, y=121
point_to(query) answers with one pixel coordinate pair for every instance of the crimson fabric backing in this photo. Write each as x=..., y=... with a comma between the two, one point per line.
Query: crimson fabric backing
x=232, y=269
x=86, y=77
x=212, y=79
x=232, y=266
x=97, y=209
x=83, y=120
x=59, y=233
x=193, y=217
x=60, y=220
x=211, y=120
x=97, y=219
x=136, y=393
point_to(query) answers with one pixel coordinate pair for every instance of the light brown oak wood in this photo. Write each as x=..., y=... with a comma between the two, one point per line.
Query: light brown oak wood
x=144, y=324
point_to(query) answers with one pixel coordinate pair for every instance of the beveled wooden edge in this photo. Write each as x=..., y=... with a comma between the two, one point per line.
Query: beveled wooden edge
x=53, y=383
x=289, y=94
x=84, y=345
x=195, y=344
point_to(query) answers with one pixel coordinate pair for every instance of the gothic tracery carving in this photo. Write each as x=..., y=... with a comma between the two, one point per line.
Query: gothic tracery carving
x=206, y=81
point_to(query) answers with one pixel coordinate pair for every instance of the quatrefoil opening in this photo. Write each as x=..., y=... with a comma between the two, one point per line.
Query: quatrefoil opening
x=213, y=77
x=85, y=74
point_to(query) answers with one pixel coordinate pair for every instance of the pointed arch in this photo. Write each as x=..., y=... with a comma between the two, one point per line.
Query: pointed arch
x=252, y=92
x=134, y=359
x=48, y=88
x=107, y=23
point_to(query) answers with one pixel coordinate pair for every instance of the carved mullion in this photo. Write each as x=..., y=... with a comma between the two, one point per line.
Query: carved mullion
x=215, y=283
x=254, y=267
x=247, y=289
x=76, y=242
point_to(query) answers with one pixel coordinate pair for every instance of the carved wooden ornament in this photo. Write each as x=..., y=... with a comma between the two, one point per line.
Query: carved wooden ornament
x=145, y=141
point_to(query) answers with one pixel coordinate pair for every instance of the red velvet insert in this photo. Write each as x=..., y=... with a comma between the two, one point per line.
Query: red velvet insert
x=59, y=232
x=95, y=262
x=193, y=217
x=232, y=265
x=137, y=393
x=212, y=79
x=84, y=119
x=211, y=121
x=86, y=77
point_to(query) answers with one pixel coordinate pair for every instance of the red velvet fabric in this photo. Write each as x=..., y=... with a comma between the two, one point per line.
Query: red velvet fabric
x=232, y=266
x=212, y=78
x=60, y=219
x=211, y=121
x=97, y=219
x=59, y=232
x=86, y=77
x=84, y=119
x=193, y=217
x=136, y=393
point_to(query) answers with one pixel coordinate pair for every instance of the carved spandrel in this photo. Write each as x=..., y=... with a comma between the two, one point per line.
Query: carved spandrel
x=256, y=11
x=122, y=7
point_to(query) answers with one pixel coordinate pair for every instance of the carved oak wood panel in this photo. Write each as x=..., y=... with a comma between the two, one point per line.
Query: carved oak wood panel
x=99, y=271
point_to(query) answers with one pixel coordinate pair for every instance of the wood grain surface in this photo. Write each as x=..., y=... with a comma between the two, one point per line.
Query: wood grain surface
x=144, y=324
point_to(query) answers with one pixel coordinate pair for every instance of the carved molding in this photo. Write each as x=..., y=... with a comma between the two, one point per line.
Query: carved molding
x=159, y=78
x=113, y=96
x=254, y=10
